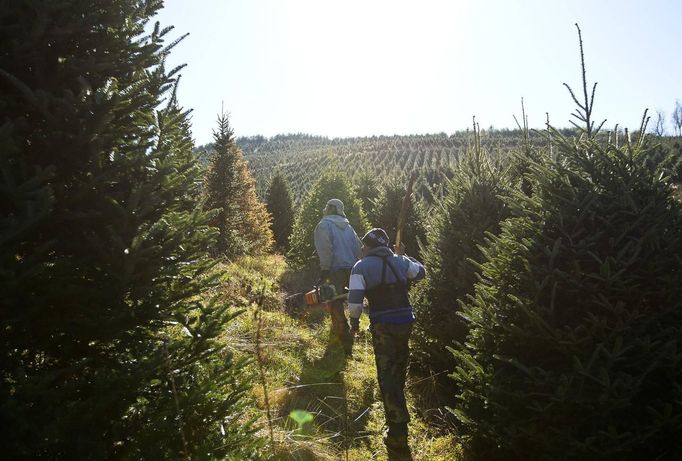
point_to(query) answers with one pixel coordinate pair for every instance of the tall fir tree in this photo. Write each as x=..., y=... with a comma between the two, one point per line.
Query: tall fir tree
x=331, y=184
x=385, y=212
x=367, y=188
x=106, y=350
x=241, y=218
x=573, y=351
x=472, y=208
x=280, y=206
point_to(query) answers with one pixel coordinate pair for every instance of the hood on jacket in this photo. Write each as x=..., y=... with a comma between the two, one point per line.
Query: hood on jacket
x=339, y=221
x=380, y=251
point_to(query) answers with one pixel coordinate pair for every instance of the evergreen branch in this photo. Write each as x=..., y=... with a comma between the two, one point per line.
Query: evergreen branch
x=642, y=127
x=167, y=49
x=573, y=95
x=594, y=90
x=575, y=124
x=28, y=94
x=517, y=122
x=157, y=27
x=588, y=106
x=600, y=126
x=177, y=401
x=175, y=70
x=165, y=30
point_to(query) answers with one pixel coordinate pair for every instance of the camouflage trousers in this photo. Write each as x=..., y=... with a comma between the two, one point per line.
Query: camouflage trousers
x=340, y=327
x=391, y=352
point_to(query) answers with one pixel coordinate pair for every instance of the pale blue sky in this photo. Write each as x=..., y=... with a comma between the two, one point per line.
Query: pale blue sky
x=371, y=67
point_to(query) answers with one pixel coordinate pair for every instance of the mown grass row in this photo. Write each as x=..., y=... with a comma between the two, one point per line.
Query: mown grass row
x=306, y=370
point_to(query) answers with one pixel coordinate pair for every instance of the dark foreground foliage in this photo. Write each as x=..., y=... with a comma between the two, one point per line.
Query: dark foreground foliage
x=105, y=351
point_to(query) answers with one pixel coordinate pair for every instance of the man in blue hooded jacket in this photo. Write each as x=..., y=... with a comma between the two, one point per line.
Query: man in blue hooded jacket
x=383, y=277
x=338, y=248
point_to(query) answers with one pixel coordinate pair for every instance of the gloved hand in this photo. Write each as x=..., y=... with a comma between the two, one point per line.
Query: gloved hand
x=324, y=275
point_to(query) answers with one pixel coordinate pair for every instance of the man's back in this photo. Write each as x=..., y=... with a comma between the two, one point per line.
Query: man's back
x=382, y=268
x=337, y=244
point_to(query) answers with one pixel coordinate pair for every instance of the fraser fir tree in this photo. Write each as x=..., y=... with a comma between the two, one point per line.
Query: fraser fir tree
x=107, y=350
x=367, y=188
x=279, y=205
x=472, y=208
x=573, y=351
x=331, y=184
x=241, y=218
x=386, y=209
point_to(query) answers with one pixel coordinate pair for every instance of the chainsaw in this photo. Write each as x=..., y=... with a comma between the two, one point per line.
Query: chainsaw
x=324, y=293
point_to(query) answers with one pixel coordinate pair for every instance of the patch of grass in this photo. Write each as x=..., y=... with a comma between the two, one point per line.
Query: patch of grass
x=306, y=369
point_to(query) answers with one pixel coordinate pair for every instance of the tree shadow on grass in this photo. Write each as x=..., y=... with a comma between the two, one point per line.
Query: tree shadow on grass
x=339, y=418
x=320, y=389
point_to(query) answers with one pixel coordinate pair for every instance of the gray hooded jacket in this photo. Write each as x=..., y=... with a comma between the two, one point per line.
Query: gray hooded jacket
x=337, y=244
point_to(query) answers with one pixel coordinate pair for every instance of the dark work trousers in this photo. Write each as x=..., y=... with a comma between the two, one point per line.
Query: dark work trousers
x=340, y=327
x=391, y=352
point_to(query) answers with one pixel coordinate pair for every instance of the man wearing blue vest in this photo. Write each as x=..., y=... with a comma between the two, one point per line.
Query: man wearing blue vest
x=382, y=277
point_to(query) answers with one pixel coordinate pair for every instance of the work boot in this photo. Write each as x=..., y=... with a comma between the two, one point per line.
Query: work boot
x=396, y=443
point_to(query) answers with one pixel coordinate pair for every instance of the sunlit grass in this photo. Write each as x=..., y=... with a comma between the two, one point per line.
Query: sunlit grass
x=306, y=370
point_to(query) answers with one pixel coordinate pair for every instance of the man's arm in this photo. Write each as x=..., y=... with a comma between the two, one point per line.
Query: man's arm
x=415, y=269
x=356, y=293
x=323, y=245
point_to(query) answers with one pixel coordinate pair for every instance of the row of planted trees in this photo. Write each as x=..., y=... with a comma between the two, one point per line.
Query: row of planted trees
x=550, y=314
x=367, y=204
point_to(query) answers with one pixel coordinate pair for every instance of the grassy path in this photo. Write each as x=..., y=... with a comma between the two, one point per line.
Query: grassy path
x=305, y=369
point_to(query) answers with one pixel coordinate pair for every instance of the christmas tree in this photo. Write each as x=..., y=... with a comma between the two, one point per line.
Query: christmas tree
x=241, y=217
x=279, y=205
x=472, y=208
x=107, y=350
x=573, y=346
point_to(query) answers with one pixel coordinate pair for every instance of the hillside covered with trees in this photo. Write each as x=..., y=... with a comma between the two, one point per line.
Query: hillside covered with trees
x=301, y=158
